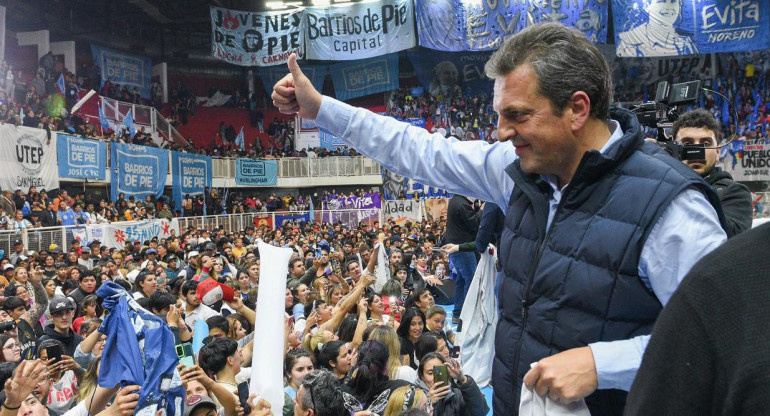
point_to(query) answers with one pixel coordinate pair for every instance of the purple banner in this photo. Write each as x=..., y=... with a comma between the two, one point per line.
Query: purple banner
x=340, y=209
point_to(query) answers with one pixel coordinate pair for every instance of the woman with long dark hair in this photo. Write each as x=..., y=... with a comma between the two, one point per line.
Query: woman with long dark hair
x=370, y=385
x=412, y=326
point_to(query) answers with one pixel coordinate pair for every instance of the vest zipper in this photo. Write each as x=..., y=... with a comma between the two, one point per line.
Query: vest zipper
x=531, y=275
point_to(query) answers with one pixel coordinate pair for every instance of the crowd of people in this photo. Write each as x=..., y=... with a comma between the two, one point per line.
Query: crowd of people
x=37, y=208
x=348, y=347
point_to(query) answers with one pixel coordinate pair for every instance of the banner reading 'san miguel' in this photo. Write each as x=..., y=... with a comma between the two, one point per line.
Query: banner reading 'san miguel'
x=255, y=39
x=645, y=28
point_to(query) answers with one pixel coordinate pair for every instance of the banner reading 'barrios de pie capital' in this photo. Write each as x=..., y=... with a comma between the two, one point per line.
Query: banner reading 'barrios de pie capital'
x=359, y=30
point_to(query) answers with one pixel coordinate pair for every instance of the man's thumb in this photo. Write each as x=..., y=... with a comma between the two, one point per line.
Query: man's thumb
x=296, y=73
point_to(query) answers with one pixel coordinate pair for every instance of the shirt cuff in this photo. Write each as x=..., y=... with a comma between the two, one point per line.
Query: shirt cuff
x=334, y=116
x=617, y=362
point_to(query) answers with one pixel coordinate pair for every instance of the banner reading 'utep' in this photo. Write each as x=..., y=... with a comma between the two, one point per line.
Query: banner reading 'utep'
x=359, y=30
x=255, y=39
x=124, y=68
x=688, y=27
x=191, y=174
x=256, y=172
x=81, y=158
x=27, y=158
x=138, y=170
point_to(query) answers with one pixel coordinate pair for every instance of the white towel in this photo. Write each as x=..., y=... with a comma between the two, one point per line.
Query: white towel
x=534, y=405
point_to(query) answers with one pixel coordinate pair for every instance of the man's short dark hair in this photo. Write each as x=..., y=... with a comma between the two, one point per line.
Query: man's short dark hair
x=218, y=321
x=323, y=393
x=563, y=60
x=212, y=357
x=160, y=300
x=12, y=303
x=698, y=118
x=188, y=286
x=292, y=262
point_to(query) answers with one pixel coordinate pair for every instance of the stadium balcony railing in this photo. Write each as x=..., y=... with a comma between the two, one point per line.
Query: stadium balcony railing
x=36, y=239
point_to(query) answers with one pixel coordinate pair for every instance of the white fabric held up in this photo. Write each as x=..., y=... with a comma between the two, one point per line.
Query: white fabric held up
x=267, y=371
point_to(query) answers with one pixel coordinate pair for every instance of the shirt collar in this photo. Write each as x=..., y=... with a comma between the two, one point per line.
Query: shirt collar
x=617, y=134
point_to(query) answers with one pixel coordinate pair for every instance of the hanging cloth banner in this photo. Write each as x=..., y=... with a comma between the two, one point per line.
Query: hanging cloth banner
x=272, y=74
x=460, y=25
x=191, y=174
x=28, y=158
x=138, y=170
x=359, y=30
x=369, y=76
x=126, y=69
x=688, y=27
x=255, y=39
x=81, y=158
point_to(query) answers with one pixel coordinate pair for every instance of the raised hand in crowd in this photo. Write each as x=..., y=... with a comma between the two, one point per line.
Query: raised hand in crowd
x=260, y=408
x=17, y=388
x=125, y=402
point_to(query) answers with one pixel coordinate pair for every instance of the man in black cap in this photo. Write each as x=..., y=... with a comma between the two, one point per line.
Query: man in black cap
x=62, y=311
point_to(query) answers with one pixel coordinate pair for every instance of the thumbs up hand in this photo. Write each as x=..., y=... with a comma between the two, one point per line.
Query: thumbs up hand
x=294, y=93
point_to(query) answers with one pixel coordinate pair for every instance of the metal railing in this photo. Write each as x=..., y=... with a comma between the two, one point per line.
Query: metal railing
x=303, y=167
x=144, y=116
x=36, y=239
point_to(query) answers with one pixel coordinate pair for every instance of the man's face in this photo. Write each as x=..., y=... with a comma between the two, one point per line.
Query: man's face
x=354, y=271
x=298, y=269
x=62, y=320
x=544, y=141
x=701, y=136
x=31, y=406
x=299, y=410
x=192, y=299
x=663, y=11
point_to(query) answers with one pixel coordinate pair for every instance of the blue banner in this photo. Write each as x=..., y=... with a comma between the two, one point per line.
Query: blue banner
x=81, y=158
x=272, y=74
x=369, y=76
x=256, y=172
x=124, y=68
x=688, y=27
x=444, y=73
x=329, y=141
x=300, y=218
x=191, y=174
x=459, y=25
x=138, y=170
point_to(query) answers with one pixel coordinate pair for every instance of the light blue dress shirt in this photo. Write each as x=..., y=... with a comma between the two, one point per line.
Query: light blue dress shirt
x=688, y=229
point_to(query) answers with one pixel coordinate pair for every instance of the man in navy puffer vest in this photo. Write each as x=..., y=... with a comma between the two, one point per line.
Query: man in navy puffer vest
x=600, y=227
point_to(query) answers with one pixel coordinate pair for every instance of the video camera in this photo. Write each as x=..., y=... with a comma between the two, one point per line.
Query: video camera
x=663, y=111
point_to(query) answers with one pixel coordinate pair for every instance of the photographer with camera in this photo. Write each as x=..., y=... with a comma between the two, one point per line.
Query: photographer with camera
x=699, y=127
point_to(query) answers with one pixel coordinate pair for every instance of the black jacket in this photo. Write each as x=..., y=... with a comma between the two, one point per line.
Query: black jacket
x=462, y=221
x=70, y=341
x=735, y=199
x=462, y=400
x=47, y=219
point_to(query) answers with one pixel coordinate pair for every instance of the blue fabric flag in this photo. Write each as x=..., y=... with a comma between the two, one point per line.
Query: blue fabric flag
x=757, y=103
x=60, y=84
x=139, y=350
x=312, y=209
x=725, y=112
x=128, y=123
x=239, y=141
x=200, y=332
x=103, y=119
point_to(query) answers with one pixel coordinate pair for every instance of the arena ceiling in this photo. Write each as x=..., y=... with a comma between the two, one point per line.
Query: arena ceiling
x=158, y=28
